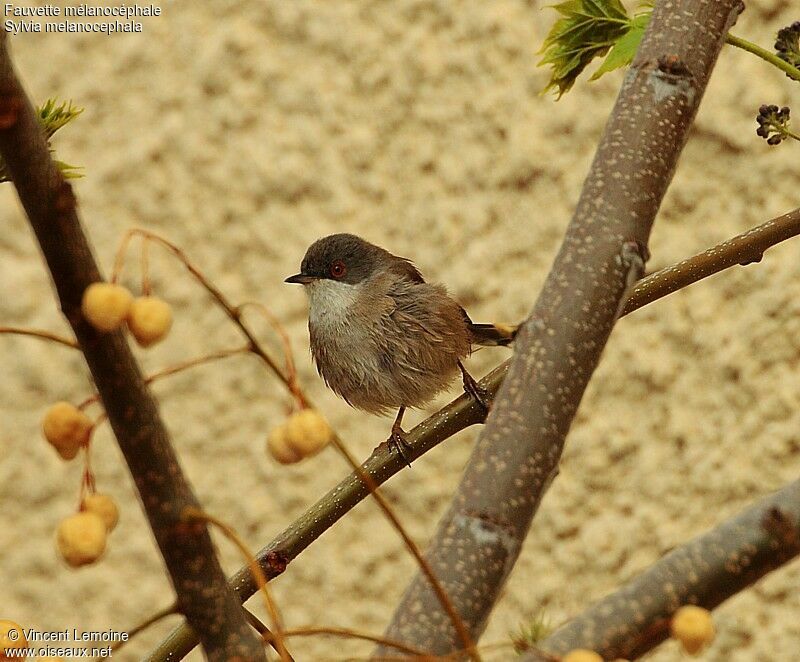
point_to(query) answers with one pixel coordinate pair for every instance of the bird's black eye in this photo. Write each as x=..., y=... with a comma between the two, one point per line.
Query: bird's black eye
x=338, y=270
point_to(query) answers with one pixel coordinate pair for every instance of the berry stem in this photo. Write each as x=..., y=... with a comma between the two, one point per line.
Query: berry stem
x=176, y=368
x=764, y=54
x=335, y=632
x=168, y=611
x=38, y=333
x=230, y=310
x=145, y=262
x=291, y=371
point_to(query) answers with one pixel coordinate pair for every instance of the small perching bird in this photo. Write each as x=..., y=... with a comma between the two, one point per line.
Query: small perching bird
x=381, y=337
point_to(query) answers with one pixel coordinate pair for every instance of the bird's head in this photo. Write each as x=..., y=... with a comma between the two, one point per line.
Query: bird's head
x=341, y=258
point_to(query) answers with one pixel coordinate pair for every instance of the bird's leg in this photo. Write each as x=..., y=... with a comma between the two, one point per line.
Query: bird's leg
x=473, y=389
x=398, y=437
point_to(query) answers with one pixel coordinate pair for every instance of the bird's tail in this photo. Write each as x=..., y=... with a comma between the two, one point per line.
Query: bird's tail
x=491, y=335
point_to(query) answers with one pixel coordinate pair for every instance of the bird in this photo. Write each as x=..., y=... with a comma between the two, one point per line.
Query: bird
x=383, y=338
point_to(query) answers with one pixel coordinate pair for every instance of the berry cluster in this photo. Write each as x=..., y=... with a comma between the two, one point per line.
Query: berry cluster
x=302, y=435
x=787, y=45
x=81, y=538
x=107, y=306
x=67, y=429
x=773, y=124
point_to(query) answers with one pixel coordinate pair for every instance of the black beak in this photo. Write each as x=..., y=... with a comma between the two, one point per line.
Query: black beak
x=302, y=279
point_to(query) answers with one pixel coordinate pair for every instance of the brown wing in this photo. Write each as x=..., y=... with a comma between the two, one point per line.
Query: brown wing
x=405, y=268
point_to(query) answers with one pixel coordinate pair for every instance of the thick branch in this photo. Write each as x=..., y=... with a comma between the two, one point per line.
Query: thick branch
x=202, y=592
x=479, y=539
x=461, y=413
x=705, y=571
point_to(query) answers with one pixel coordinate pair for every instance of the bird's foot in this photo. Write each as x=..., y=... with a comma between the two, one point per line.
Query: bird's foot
x=479, y=394
x=399, y=441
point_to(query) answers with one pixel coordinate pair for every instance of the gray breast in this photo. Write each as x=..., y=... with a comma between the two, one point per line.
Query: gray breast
x=379, y=355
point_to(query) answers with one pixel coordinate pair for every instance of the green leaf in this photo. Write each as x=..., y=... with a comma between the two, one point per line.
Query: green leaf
x=52, y=116
x=69, y=171
x=530, y=633
x=621, y=55
x=586, y=30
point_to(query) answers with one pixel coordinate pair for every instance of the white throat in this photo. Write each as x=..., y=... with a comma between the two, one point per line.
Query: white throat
x=331, y=302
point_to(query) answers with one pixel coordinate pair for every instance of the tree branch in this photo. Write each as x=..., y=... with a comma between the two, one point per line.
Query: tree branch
x=743, y=249
x=202, y=592
x=461, y=413
x=557, y=349
x=705, y=571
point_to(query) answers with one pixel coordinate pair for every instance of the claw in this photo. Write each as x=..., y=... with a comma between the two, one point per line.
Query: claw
x=398, y=438
x=475, y=390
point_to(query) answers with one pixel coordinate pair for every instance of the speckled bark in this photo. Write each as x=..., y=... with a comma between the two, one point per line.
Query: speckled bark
x=478, y=540
x=705, y=571
x=203, y=595
x=744, y=249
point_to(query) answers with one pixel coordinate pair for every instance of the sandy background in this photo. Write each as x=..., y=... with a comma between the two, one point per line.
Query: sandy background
x=244, y=130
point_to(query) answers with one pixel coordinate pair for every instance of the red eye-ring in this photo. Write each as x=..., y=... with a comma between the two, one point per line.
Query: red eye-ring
x=338, y=270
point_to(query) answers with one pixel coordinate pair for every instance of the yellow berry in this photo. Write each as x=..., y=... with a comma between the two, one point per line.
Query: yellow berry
x=11, y=636
x=105, y=305
x=67, y=428
x=81, y=538
x=149, y=320
x=693, y=627
x=581, y=655
x=279, y=449
x=104, y=506
x=307, y=432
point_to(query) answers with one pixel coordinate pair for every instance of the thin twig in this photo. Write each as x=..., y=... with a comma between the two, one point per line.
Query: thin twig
x=764, y=54
x=349, y=633
x=291, y=371
x=352, y=634
x=230, y=310
x=179, y=367
x=742, y=249
x=38, y=333
x=159, y=615
x=265, y=633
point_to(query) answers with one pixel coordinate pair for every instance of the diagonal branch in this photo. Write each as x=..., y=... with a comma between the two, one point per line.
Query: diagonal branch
x=516, y=457
x=705, y=571
x=743, y=249
x=202, y=592
x=461, y=413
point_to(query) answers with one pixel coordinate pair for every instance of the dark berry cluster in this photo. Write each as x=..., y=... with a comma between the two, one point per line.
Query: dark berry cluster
x=773, y=124
x=787, y=46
